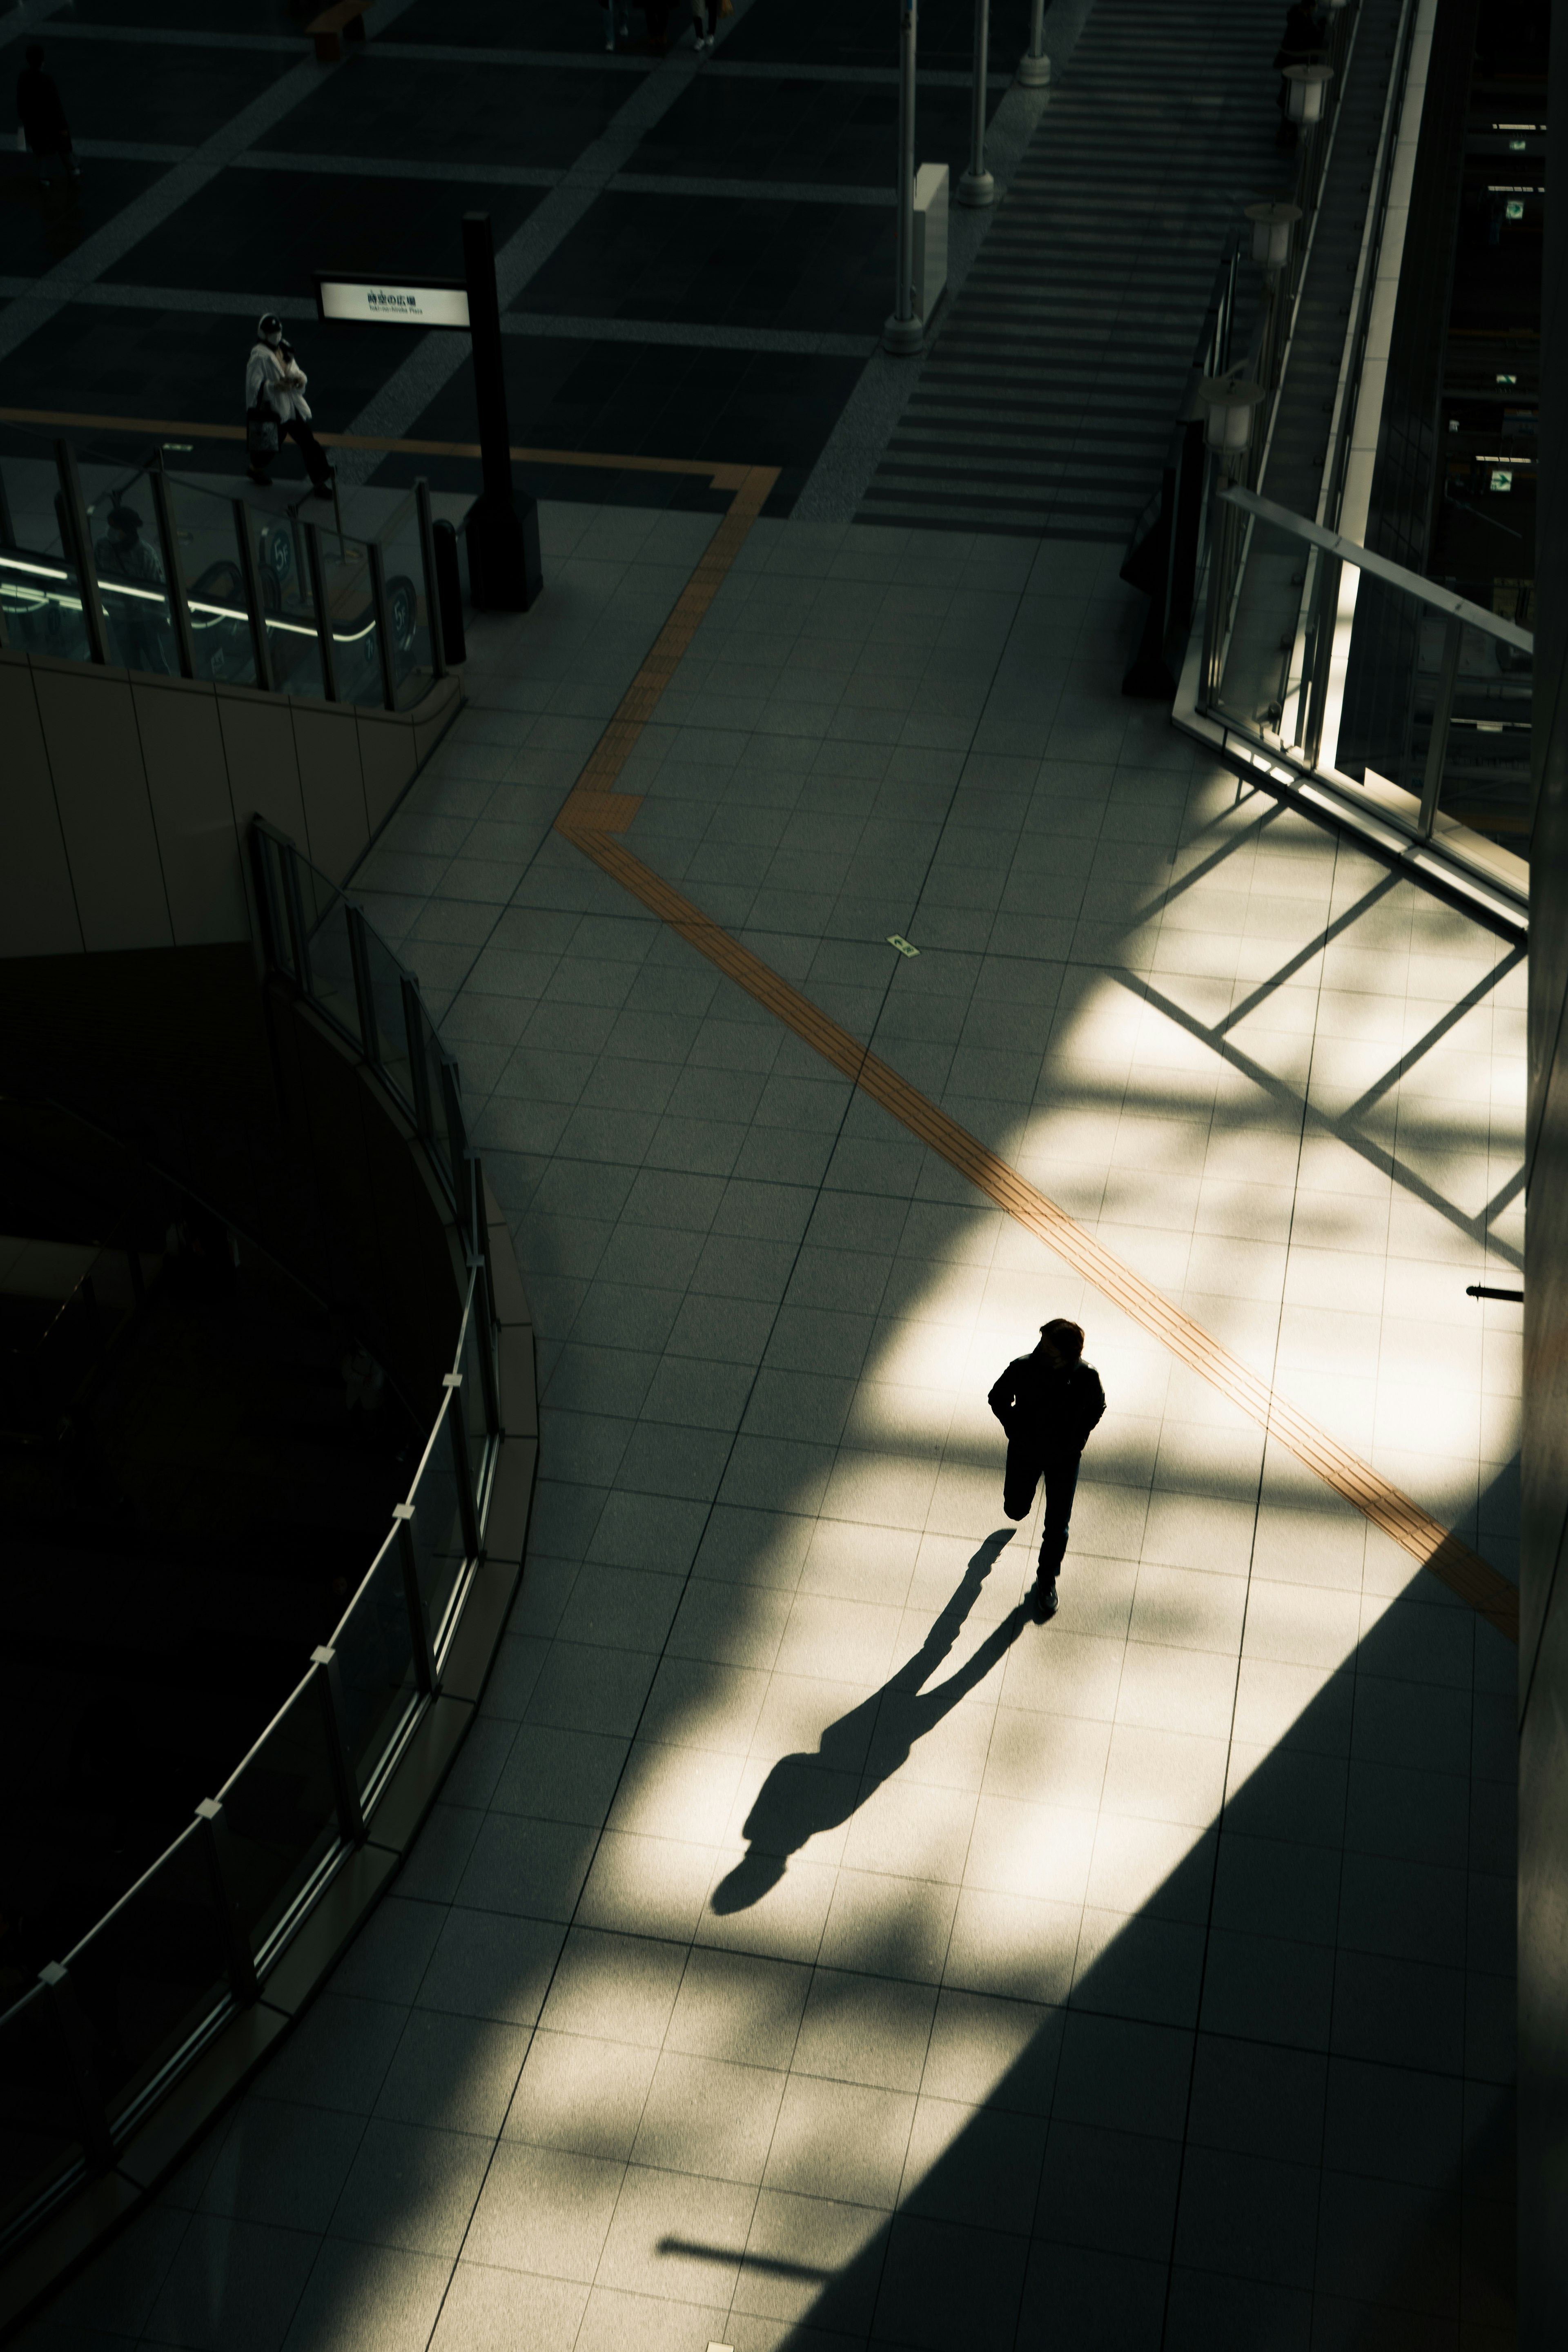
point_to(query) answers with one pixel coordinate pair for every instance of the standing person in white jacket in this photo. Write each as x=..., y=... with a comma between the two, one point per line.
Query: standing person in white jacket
x=274, y=392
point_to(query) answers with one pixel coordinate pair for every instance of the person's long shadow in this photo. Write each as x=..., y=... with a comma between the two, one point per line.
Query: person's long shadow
x=805, y=1794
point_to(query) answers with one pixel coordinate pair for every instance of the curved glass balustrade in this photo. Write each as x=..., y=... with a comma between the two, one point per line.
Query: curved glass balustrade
x=90, y=2047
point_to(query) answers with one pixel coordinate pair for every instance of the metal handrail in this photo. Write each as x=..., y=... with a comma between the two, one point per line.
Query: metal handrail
x=1366, y=559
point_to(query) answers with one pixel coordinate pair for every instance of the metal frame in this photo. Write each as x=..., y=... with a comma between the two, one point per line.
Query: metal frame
x=260, y=644
x=311, y=537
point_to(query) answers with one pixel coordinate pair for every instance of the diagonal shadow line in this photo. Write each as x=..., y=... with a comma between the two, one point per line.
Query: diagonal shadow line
x=806, y=1794
x=1435, y=1036
x=731, y=2257
x=1314, y=947
x=1386, y=1163
x=1242, y=839
x=1500, y=1200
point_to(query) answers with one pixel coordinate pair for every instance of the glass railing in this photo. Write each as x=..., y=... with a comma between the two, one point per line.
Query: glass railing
x=135, y=566
x=1379, y=677
x=90, y=2047
x=318, y=937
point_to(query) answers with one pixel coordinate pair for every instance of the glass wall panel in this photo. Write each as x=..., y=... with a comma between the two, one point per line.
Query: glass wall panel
x=154, y=1972
x=356, y=653
x=286, y=602
x=280, y=1819
x=391, y=1027
x=437, y=1523
x=38, y=2124
x=127, y=555
x=40, y=593
x=331, y=968
x=274, y=857
x=440, y=1142
x=407, y=618
x=472, y=1392
x=375, y=1663
x=205, y=535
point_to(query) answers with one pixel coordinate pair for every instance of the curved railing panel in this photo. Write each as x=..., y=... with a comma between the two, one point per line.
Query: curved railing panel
x=89, y=2050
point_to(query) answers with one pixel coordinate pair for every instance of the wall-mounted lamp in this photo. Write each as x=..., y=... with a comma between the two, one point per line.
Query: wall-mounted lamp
x=1307, y=93
x=1271, y=227
x=1228, y=408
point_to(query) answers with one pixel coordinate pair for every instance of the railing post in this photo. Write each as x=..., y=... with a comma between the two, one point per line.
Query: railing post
x=323, y=619
x=1442, y=715
x=435, y=627
x=418, y=1070
x=74, y=509
x=382, y=632
x=345, y=1788
x=241, y=1959
x=93, y=2119
x=904, y=334
x=424, y=1673
x=173, y=583
x=467, y=1501
x=976, y=187
x=1034, y=66
x=260, y=644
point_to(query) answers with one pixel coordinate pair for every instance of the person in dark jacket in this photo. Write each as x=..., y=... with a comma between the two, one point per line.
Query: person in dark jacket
x=43, y=117
x=1047, y=1402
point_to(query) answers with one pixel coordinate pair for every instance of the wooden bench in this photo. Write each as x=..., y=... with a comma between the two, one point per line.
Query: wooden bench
x=343, y=20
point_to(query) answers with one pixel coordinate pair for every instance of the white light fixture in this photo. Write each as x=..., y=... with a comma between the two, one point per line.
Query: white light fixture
x=1271, y=227
x=1228, y=408
x=1307, y=93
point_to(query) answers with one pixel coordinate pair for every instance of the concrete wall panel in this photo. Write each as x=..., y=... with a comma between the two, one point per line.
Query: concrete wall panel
x=106, y=816
x=37, y=906
x=187, y=779
x=263, y=775
x=326, y=741
x=388, y=758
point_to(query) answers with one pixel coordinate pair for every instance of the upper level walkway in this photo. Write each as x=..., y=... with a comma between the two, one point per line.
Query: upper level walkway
x=812, y=1949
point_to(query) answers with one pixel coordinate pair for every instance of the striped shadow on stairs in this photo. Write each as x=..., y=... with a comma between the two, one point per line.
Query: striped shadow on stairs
x=1046, y=402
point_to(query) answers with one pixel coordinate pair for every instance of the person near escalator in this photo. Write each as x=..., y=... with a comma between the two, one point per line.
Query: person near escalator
x=276, y=409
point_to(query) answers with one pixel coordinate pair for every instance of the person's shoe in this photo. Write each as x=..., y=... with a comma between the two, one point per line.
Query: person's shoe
x=1045, y=1596
x=262, y=482
x=322, y=489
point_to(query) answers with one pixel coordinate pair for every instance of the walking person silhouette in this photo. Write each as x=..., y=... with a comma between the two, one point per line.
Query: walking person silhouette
x=1047, y=1402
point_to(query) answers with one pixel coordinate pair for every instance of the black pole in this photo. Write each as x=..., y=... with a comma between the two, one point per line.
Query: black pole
x=504, y=573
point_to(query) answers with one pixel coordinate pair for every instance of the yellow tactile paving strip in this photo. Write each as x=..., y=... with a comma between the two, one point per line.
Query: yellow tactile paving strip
x=721, y=477
x=594, y=812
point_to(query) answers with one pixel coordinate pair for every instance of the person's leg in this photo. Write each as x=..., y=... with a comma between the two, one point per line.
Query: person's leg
x=315, y=456
x=1019, y=1480
x=1061, y=1484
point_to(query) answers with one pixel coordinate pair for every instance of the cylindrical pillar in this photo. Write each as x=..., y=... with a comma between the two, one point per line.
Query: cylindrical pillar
x=977, y=187
x=904, y=332
x=1034, y=67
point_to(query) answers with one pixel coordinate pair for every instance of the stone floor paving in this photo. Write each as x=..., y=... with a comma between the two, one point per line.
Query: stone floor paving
x=811, y=1948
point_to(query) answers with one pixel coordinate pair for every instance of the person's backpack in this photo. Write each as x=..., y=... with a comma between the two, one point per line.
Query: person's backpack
x=261, y=434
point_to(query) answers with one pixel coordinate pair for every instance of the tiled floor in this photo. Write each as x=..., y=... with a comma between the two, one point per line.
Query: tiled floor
x=811, y=1948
